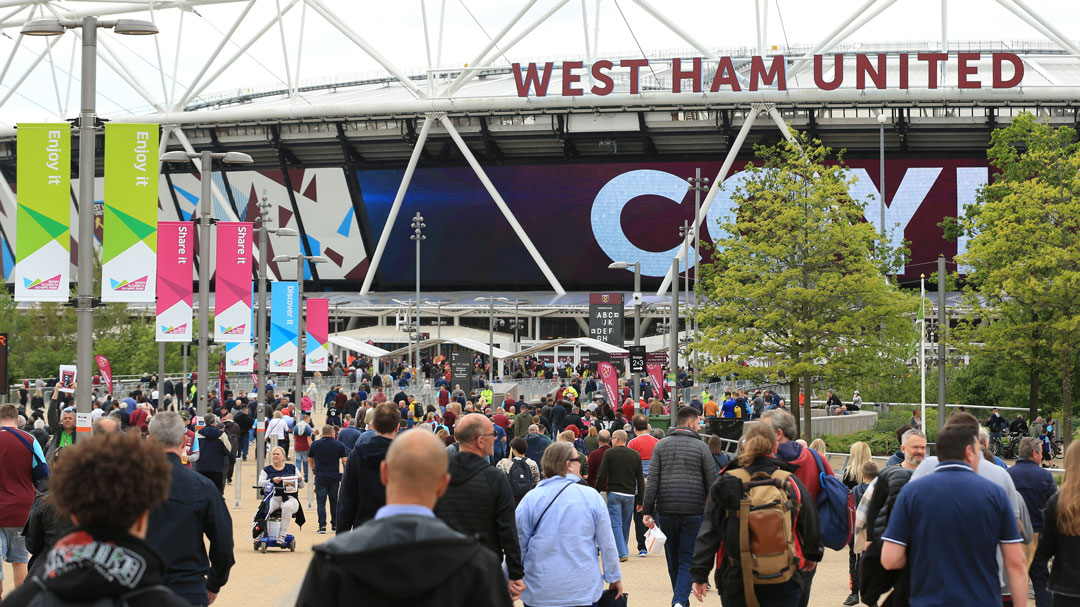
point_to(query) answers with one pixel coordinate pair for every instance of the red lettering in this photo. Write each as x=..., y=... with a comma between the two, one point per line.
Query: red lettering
x=569, y=78
x=863, y=67
x=964, y=70
x=678, y=75
x=1018, y=70
x=903, y=70
x=838, y=72
x=599, y=73
x=725, y=74
x=932, y=60
x=532, y=79
x=634, y=65
x=777, y=71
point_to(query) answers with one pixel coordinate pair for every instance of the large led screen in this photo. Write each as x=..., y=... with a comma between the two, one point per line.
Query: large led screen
x=581, y=217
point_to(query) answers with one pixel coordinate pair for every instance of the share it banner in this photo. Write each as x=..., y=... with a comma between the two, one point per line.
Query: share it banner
x=176, y=253
x=284, y=322
x=610, y=377
x=232, y=296
x=129, y=233
x=43, y=237
x=241, y=357
x=316, y=327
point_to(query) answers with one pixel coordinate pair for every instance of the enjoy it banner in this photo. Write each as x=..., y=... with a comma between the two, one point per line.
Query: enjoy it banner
x=317, y=326
x=175, y=257
x=129, y=232
x=610, y=377
x=232, y=295
x=284, y=322
x=43, y=236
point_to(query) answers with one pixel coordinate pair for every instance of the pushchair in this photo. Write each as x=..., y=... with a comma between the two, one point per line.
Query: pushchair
x=266, y=527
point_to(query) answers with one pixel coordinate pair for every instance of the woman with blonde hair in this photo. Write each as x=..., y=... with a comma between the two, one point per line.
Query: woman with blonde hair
x=1060, y=536
x=858, y=455
x=757, y=455
x=819, y=445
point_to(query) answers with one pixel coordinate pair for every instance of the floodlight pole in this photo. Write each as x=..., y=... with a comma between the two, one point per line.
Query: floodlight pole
x=260, y=343
x=206, y=167
x=673, y=342
x=85, y=302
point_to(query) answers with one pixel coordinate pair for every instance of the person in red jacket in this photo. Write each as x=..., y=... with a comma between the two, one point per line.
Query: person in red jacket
x=628, y=408
x=792, y=452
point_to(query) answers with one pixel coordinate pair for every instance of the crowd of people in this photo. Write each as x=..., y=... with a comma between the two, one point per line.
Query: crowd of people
x=467, y=500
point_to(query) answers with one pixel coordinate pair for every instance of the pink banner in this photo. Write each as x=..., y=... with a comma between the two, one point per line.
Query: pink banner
x=656, y=378
x=317, y=323
x=232, y=296
x=610, y=377
x=221, y=382
x=175, y=260
x=106, y=370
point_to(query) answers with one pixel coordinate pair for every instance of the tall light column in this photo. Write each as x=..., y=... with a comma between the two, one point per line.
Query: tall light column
x=491, y=334
x=206, y=167
x=882, y=119
x=673, y=343
x=84, y=349
x=622, y=265
x=418, y=226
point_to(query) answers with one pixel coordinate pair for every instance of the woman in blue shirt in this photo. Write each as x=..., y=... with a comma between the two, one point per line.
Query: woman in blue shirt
x=560, y=523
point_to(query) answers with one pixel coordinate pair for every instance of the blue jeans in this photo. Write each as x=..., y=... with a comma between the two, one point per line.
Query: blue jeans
x=620, y=509
x=301, y=463
x=787, y=594
x=323, y=490
x=244, y=444
x=681, y=531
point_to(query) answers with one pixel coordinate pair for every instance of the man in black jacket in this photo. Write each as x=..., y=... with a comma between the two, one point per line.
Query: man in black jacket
x=362, y=493
x=479, y=501
x=195, y=508
x=406, y=556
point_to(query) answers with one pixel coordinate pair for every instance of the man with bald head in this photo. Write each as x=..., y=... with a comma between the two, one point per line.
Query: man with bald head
x=388, y=559
x=621, y=475
x=479, y=501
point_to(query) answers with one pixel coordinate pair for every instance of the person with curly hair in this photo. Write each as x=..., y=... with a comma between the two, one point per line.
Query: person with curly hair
x=107, y=486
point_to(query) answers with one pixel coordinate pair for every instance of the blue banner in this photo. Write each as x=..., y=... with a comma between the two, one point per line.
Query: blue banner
x=284, y=322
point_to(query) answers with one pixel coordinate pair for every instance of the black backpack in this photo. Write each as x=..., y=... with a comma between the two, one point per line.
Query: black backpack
x=521, y=480
x=47, y=598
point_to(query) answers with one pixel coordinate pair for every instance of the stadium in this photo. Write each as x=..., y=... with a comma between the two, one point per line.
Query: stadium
x=534, y=171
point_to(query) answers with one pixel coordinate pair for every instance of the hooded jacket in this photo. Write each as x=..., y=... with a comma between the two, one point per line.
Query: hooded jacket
x=403, y=560
x=480, y=503
x=362, y=492
x=76, y=571
x=680, y=473
x=806, y=467
x=212, y=450
x=718, y=529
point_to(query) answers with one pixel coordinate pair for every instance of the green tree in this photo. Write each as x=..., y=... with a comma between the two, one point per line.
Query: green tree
x=797, y=284
x=1024, y=253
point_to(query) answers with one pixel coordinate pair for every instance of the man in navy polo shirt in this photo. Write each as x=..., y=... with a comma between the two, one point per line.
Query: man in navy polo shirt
x=326, y=456
x=947, y=527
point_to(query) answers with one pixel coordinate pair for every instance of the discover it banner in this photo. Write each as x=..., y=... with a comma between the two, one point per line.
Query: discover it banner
x=316, y=327
x=174, y=283
x=232, y=295
x=129, y=232
x=43, y=237
x=284, y=318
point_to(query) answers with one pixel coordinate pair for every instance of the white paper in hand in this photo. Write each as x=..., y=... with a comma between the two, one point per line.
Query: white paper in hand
x=655, y=540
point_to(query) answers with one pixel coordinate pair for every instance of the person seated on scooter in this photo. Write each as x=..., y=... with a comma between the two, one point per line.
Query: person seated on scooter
x=285, y=501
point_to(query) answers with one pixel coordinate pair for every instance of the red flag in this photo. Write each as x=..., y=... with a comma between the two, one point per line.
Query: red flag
x=106, y=370
x=221, y=381
x=610, y=377
x=656, y=378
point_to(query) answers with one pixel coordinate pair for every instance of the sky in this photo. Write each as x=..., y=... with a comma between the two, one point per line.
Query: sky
x=45, y=92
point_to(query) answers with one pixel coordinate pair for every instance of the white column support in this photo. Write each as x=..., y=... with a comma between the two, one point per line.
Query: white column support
x=418, y=147
x=781, y=124
x=427, y=44
x=284, y=49
x=596, y=29
x=113, y=59
x=300, y=48
x=585, y=27
x=499, y=202
x=442, y=28
x=480, y=61
x=11, y=57
x=213, y=56
x=1029, y=16
x=831, y=39
x=197, y=86
x=29, y=70
x=113, y=9
x=337, y=22
x=714, y=189
x=678, y=31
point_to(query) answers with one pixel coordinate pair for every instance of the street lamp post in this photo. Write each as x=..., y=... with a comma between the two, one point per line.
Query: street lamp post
x=622, y=265
x=882, y=119
x=260, y=336
x=84, y=350
x=418, y=226
x=491, y=334
x=206, y=167
x=687, y=233
x=673, y=324
x=301, y=338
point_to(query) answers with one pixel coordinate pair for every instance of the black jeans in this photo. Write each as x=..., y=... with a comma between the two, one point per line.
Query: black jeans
x=218, y=478
x=324, y=490
x=639, y=530
x=807, y=581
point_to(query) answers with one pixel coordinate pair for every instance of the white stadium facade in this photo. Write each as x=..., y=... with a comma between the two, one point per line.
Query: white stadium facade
x=534, y=173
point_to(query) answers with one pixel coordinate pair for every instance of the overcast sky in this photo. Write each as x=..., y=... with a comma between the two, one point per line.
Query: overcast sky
x=396, y=30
